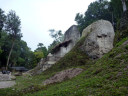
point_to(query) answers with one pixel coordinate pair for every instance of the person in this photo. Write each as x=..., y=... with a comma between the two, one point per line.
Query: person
x=5, y=71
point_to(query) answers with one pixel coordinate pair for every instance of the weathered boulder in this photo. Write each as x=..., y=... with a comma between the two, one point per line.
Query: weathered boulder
x=99, y=38
x=6, y=77
x=63, y=75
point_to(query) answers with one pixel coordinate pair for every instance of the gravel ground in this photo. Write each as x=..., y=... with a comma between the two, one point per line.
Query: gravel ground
x=7, y=84
x=6, y=80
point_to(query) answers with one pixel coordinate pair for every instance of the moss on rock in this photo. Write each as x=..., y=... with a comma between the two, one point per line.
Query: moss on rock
x=76, y=57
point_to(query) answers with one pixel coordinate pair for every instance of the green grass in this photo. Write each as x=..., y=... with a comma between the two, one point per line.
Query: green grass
x=107, y=76
x=26, y=82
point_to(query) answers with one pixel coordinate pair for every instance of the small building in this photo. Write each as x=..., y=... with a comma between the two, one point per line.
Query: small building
x=19, y=69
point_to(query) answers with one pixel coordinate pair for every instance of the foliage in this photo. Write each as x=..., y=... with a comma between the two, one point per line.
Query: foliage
x=38, y=55
x=21, y=54
x=58, y=38
x=13, y=24
x=52, y=45
x=95, y=11
x=116, y=9
x=2, y=20
x=121, y=42
x=106, y=76
x=57, y=35
x=102, y=9
x=43, y=49
x=75, y=57
x=120, y=35
x=13, y=28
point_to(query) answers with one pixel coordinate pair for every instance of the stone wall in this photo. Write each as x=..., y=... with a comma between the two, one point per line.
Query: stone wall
x=63, y=50
x=71, y=34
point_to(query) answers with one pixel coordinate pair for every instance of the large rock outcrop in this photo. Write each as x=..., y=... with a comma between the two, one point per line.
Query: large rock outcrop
x=99, y=38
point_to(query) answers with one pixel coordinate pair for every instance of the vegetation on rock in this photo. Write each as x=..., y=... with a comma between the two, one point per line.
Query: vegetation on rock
x=107, y=76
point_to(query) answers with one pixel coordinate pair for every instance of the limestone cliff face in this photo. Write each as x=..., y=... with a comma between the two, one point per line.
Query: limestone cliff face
x=71, y=36
x=98, y=41
x=99, y=38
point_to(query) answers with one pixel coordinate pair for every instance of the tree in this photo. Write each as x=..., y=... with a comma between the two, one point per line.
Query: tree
x=2, y=20
x=42, y=48
x=4, y=42
x=13, y=28
x=37, y=57
x=124, y=5
x=57, y=36
x=20, y=54
x=95, y=11
x=116, y=9
x=101, y=1
x=40, y=45
x=52, y=45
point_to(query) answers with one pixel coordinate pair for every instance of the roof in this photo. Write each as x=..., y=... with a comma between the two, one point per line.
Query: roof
x=19, y=68
x=57, y=47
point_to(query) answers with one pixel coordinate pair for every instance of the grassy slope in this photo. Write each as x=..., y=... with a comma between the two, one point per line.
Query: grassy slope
x=108, y=76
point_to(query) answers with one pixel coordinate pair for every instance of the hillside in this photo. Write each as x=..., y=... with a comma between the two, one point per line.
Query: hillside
x=107, y=76
x=89, y=59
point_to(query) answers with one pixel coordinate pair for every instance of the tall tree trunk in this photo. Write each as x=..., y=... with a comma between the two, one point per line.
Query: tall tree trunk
x=112, y=19
x=124, y=5
x=9, y=55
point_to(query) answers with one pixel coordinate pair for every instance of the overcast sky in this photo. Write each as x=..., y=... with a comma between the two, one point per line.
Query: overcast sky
x=38, y=16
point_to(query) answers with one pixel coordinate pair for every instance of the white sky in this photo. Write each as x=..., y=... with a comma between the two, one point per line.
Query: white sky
x=38, y=16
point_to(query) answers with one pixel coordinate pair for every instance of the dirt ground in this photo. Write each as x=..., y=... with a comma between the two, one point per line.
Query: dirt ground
x=66, y=74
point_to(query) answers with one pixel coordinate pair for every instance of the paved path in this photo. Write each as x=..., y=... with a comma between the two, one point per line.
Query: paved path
x=7, y=84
